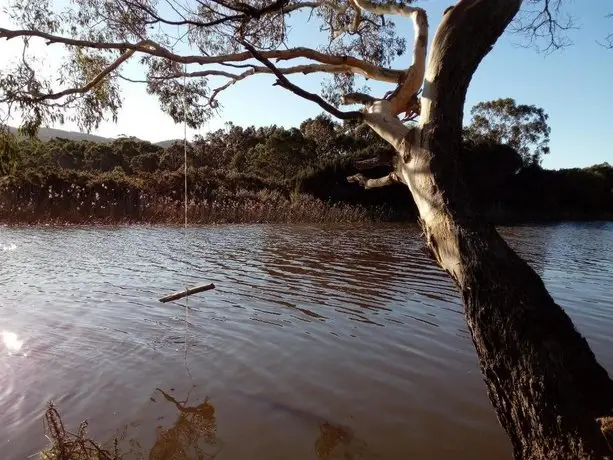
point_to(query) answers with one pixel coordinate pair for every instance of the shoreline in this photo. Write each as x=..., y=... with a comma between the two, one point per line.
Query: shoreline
x=510, y=220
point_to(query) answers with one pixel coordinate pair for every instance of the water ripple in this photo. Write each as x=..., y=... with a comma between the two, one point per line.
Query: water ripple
x=349, y=327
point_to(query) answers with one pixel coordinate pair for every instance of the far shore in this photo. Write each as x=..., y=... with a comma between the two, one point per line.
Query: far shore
x=307, y=210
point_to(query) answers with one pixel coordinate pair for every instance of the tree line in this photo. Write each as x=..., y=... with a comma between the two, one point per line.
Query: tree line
x=500, y=163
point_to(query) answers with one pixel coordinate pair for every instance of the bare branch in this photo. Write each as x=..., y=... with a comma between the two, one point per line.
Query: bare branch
x=234, y=78
x=386, y=8
x=609, y=38
x=404, y=99
x=183, y=22
x=146, y=46
x=212, y=100
x=97, y=79
x=216, y=91
x=391, y=178
x=358, y=98
x=244, y=12
x=285, y=83
x=543, y=20
x=357, y=66
x=89, y=85
x=305, y=69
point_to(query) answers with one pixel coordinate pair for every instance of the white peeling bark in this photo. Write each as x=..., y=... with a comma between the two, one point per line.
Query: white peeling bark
x=381, y=119
x=386, y=8
x=402, y=98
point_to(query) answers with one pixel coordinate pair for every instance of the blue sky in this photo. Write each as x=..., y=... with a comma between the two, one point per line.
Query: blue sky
x=573, y=85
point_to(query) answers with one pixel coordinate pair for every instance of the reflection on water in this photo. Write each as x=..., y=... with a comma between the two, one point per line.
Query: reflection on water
x=317, y=342
x=11, y=341
x=193, y=432
x=193, y=435
x=338, y=442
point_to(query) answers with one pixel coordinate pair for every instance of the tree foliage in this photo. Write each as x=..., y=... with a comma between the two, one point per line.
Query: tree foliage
x=173, y=43
x=503, y=121
x=192, y=51
x=8, y=151
x=314, y=160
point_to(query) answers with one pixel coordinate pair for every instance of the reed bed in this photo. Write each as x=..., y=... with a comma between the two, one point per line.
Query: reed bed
x=82, y=199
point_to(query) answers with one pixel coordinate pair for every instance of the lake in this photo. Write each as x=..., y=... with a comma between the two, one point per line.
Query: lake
x=317, y=343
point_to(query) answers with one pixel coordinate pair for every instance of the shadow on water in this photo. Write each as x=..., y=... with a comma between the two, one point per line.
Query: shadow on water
x=193, y=436
x=336, y=442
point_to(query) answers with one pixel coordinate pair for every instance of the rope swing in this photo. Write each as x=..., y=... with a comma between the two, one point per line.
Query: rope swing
x=205, y=287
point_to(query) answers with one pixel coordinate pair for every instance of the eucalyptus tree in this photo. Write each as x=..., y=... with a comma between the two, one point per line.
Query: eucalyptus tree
x=550, y=394
x=503, y=121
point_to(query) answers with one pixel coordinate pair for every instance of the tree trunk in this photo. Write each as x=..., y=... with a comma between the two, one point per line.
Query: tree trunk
x=544, y=382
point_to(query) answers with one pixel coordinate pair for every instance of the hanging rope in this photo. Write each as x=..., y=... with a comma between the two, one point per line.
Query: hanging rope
x=185, y=195
x=205, y=287
x=196, y=289
x=188, y=291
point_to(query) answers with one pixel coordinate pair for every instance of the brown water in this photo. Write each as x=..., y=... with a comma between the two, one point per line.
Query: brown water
x=317, y=343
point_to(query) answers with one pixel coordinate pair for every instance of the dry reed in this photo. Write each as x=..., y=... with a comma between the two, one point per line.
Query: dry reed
x=66, y=445
x=242, y=206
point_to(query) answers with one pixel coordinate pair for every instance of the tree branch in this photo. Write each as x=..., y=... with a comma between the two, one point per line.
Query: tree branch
x=352, y=27
x=404, y=99
x=609, y=38
x=544, y=22
x=385, y=8
x=244, y=12
x=352, y=64
x=87, y=87
x=304, y=69
x=285, y=83
x=391, y=178
x=234, y=78
x=358, y=98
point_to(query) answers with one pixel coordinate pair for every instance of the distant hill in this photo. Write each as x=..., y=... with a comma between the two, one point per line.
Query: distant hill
x=169, y=142
x=46, y=134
